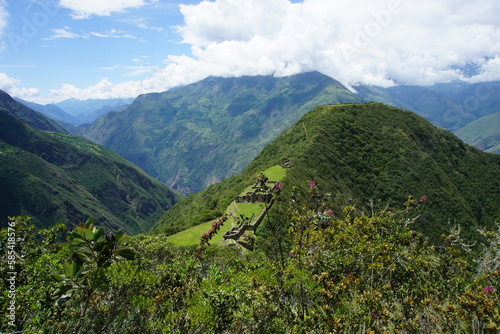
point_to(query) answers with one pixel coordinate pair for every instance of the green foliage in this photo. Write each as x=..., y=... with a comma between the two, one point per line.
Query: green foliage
x=27, y=258
x=83, y=279
x=341, y=272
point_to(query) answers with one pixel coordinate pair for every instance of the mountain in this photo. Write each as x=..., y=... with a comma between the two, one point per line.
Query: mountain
x=56, y=177
x=72, y=113
x=196, y=135
x=449, y=105
x=52, y=111
x=87, y=111
x=76, y=107
x=362, y=153
x=11, y=107
x=92, y=117
x=483, y=133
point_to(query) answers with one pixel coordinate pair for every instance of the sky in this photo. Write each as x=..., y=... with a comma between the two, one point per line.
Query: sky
x=52, y=50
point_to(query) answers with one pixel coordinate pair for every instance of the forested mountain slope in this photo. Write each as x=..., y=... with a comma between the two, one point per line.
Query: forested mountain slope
x=369, y=152
x=60, y=178
x=199, y=134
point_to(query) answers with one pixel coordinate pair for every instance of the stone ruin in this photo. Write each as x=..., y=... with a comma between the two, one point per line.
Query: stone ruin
x=263, y=190
x=287, y=164
x=237, y=231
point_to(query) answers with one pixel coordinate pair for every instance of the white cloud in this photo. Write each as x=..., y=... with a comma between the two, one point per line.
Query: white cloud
x=146, y=27
x=66, y=33
x=110, y=68
x=63, y=33
x=113, y=33
x=381, y=42
x=84, y=9
x=378, y=42
x=11, y=86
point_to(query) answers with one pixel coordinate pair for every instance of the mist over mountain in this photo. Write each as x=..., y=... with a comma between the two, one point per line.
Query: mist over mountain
x=76, y=107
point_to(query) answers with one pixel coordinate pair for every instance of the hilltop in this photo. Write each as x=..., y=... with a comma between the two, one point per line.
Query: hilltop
x=362, y=153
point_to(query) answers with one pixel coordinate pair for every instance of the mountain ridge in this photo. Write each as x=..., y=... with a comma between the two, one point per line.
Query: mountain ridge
x=11, y=107
x=56, y=177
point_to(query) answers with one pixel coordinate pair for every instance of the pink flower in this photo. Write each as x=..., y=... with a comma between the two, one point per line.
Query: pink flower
x=489, y=289
x=313, y=184
x=292, y=254
x=422, y=199
x=329, y=212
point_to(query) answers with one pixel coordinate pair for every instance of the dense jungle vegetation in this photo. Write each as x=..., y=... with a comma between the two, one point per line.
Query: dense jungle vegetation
x=316, y=271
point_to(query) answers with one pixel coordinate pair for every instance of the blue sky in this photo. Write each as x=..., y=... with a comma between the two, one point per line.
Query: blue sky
x=51, y=50
x=45, y=46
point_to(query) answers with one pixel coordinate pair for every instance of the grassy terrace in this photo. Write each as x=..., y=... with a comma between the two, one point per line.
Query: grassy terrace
x=192, y=235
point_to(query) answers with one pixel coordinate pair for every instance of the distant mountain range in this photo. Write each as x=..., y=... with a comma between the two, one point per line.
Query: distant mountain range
x=362, y=153
x=196, y=135
x=448, y=105
x=87, y=111
x=483, y=133
x=72, y=113
x=58, y=178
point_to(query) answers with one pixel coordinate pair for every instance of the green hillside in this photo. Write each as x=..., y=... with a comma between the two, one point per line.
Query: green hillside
x=199, y=134
x=326, y=259
x=235, y=213
x=369, y=152
x=59, y=178
x=483, y=133
x=196, y=135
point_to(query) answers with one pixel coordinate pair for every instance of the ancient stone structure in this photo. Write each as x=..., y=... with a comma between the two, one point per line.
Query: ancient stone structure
x=255, y=197
x=263, y=190
x=237, y=231
x=287, y=164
